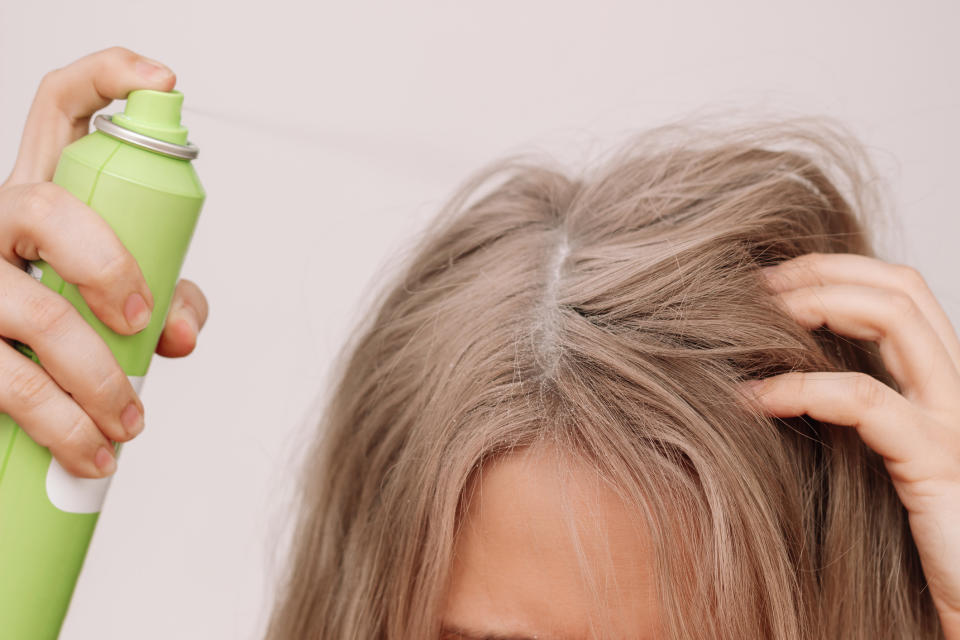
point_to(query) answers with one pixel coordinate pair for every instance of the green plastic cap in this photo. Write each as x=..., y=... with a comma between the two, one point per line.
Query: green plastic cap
x=155, y=114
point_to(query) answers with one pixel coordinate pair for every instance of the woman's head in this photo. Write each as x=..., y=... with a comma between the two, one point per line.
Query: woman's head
x=581, y=338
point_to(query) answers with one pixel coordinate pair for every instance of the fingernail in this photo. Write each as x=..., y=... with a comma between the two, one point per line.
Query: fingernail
x=191, y=319
x=105, y=460
x=752, y=386
x=151, y=69
x=136, y=312
x=132, y=419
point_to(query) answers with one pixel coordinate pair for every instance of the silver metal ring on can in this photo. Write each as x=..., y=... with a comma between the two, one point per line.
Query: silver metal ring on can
x=105, y=124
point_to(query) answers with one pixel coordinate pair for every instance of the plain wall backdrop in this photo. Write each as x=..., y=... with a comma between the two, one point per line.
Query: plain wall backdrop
x=331, y=132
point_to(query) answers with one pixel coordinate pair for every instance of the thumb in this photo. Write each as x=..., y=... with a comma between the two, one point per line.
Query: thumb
x=69, y=96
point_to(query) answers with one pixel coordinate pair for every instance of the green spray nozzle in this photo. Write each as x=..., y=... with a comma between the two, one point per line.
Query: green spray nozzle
x=155, y=114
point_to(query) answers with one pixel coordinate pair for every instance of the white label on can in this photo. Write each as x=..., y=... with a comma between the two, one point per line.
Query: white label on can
x=69, y=493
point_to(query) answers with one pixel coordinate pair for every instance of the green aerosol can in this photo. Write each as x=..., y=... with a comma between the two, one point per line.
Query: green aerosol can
x=135, y=171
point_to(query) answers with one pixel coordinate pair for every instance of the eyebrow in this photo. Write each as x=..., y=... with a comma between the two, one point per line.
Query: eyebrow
x=456, y=633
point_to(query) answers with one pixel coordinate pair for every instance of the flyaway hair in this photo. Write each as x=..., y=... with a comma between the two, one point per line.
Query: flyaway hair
x=610, y=315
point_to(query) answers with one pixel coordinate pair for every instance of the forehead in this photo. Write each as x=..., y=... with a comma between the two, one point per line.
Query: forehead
x=547, y=550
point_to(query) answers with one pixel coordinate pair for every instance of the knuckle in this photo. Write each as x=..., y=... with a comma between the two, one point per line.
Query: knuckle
x=50, y=81
x=28, y=387
x=804, y=300
x=109, y=384
x=807, y=265
x=39, y=201
x=800, y=381
x=121, y=53
x=47, y=313
x=118, y=51
x=903, y=305
x=910, y=277
x=119, y=267
x=115, y=56
x=868, y=392
x=77, y=433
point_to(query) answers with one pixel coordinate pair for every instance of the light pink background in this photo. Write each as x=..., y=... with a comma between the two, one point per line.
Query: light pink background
x=329, y=133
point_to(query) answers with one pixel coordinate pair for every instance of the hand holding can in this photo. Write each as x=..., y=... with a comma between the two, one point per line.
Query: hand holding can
x=80, y=399
x=103, y=244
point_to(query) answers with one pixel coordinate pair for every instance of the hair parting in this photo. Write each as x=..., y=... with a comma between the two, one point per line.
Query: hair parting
x=610, y=316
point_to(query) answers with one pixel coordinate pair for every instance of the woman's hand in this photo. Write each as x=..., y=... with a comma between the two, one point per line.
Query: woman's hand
x=917, y=431
x=81, y=399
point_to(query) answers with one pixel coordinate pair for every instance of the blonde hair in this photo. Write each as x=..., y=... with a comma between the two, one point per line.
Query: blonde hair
x=611, y=315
